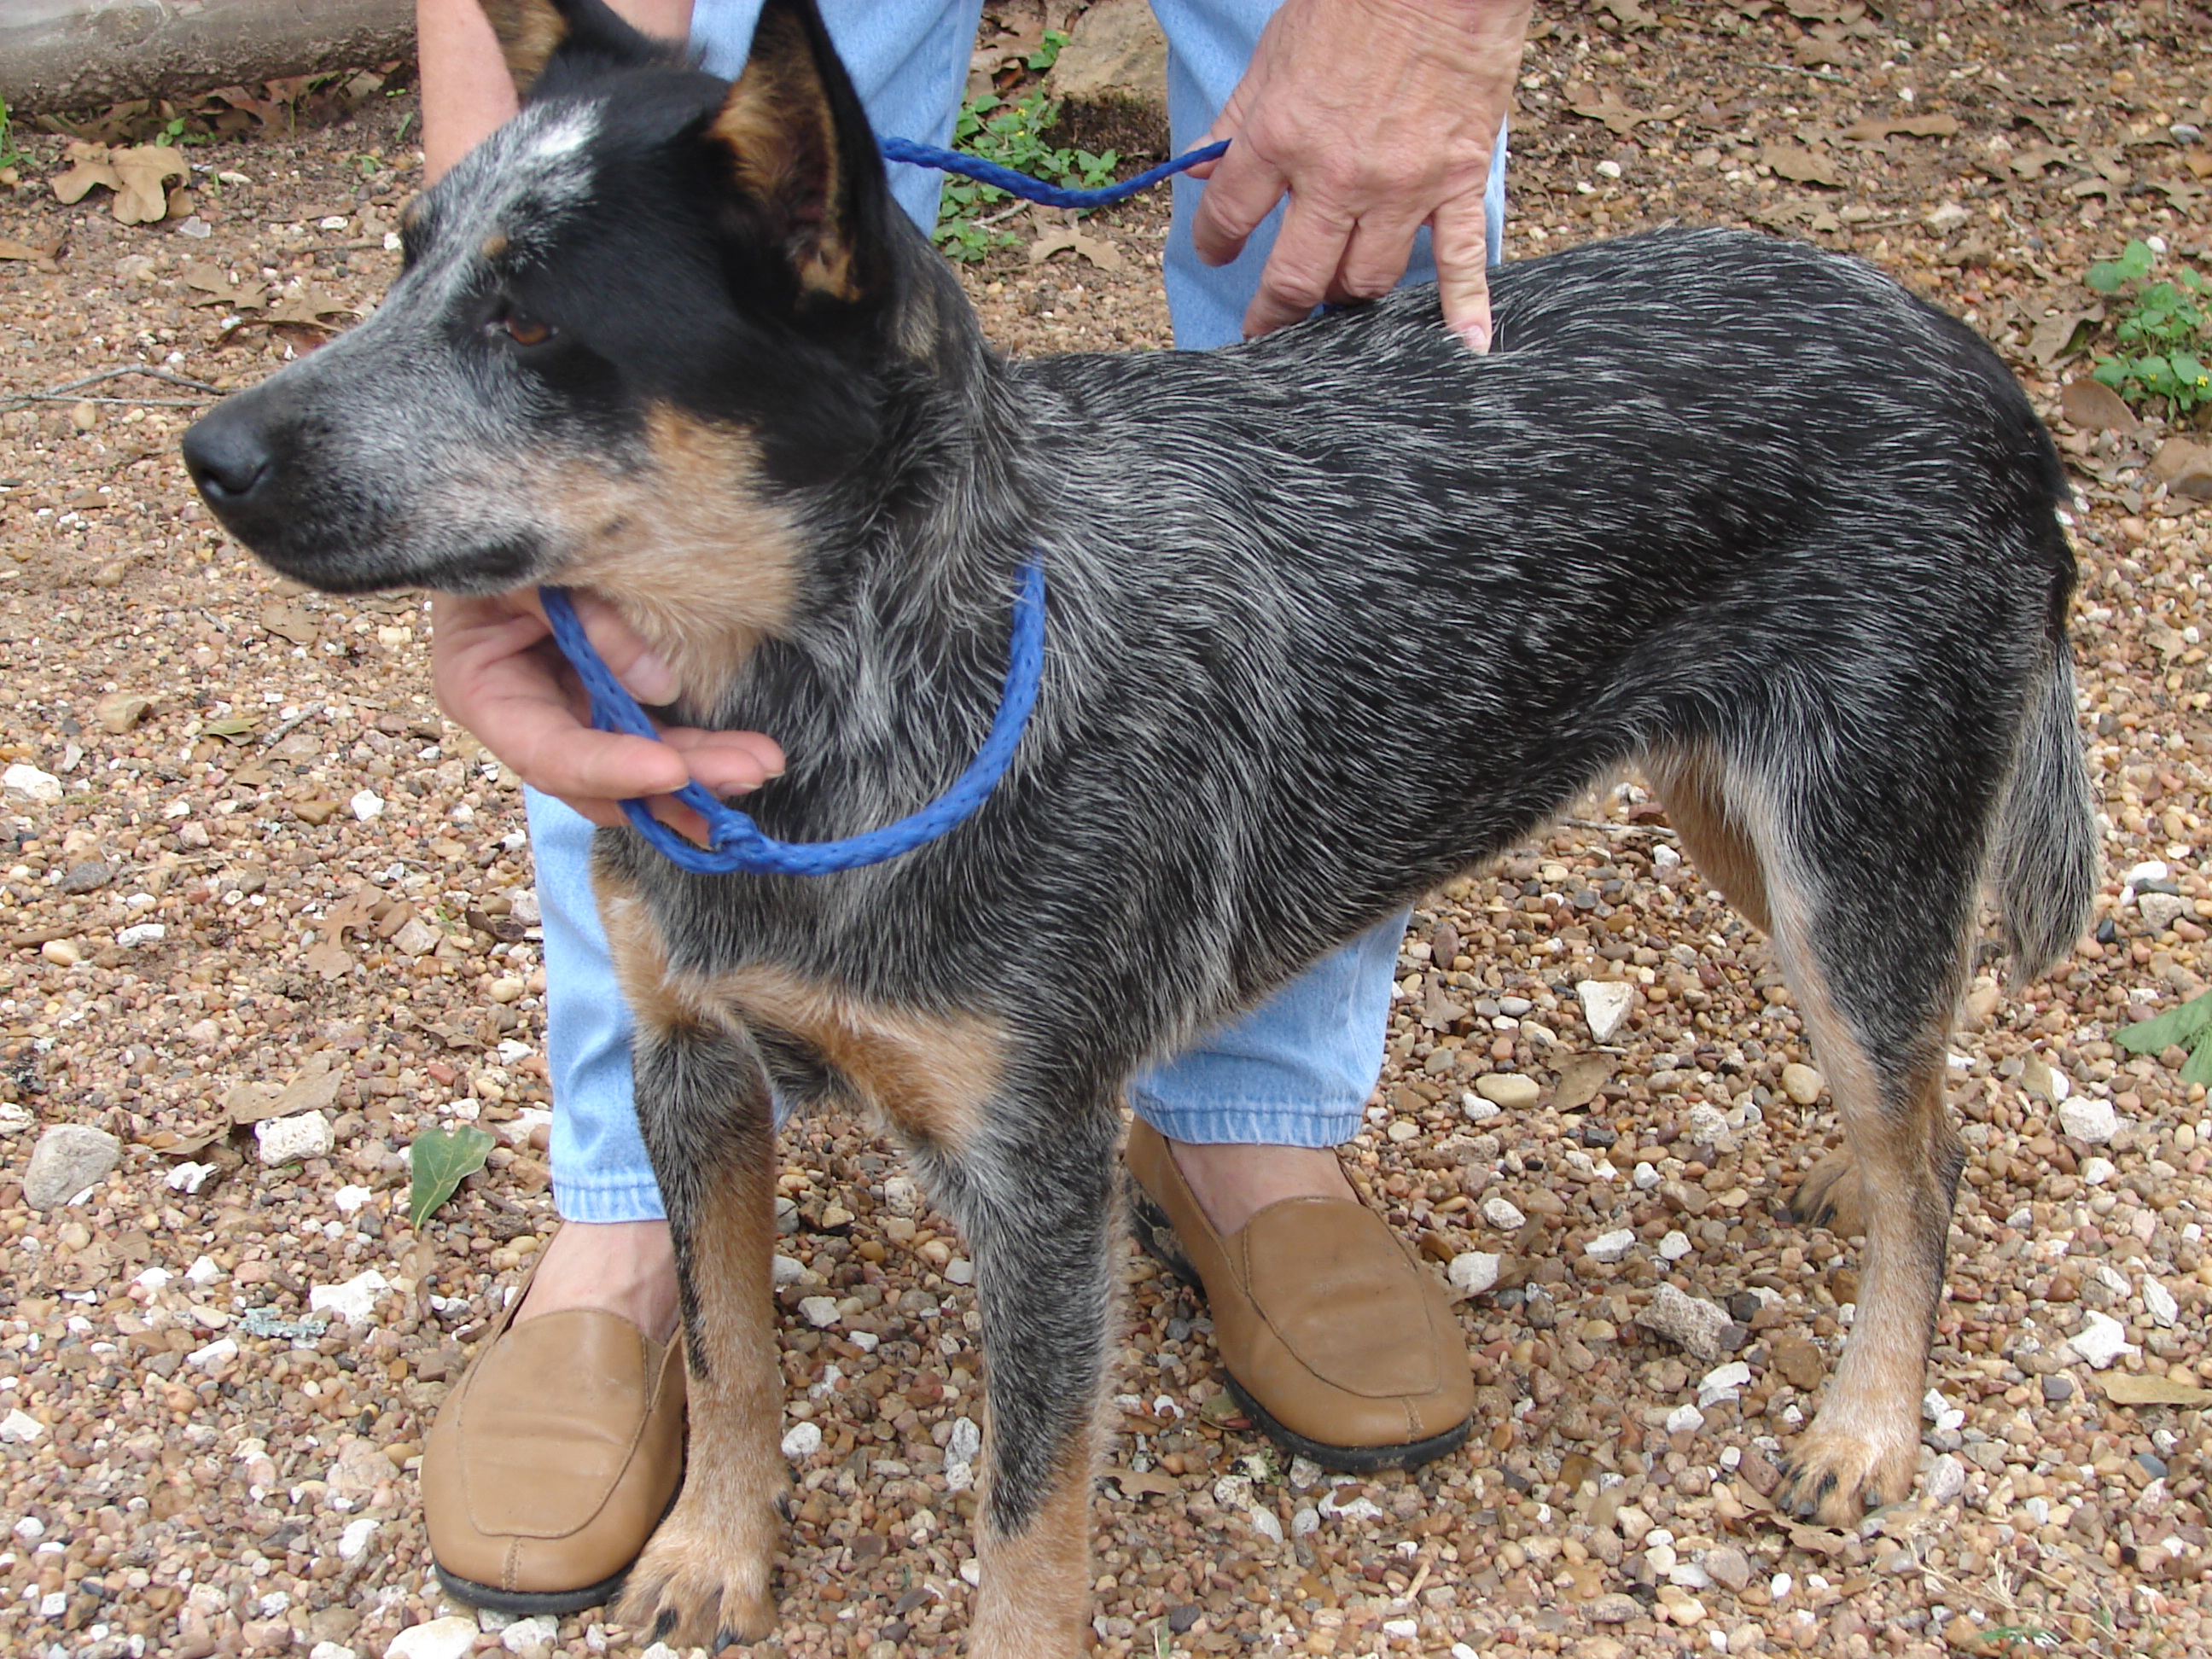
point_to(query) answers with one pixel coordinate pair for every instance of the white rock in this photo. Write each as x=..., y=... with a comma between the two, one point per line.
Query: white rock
x=366, y=804
x=350, y=1198
x=353, y=1542
x=1501, y=1213
x=819, y=1311
x=288, y=1140
x=2100, y=1340
x=1508, y=1091
x=1947, y=1480
x=1802, y=1084
x=353, y=1301
x=1664, y=857
x=802, y=1440
x=69, y=1157
x=203, y=1271
x=331, y=1650
x=1359, y=1508
x=786, y=1270
x=20, y=1428
x=154, y=1278
x=1684, y=1419
x=971, y=1572
x=1689, y=1321
x=2162, y=910
x=1473, y=1272
x=541, y=1630
x=1605, y=1003
x=1478, y=1110
x=30, y=1529
x=187, y=1177
x=1401, y=1630
x=1611, y=1246
x=959, y=1271
x=450, y=1638
x=1676, y=1246
x=417, y=937
x=2097, y=1170
x=965, y=1443
x=1708, y=1126
x=214, y=1357
x=2159, y=1302
x=142, y=932
x=29, y=783
x=1305, y=1522
x=2149, y=869
x=2089, y=1120
x=1723, y=1382
x=1645, y=1177
x=1265, y=1521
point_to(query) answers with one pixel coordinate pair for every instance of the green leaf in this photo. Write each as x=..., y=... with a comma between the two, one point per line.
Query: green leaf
x=2182, y=1024
x=439, y=1161
x=1047, y=51
x=2112, y=372
x=2199, y=1068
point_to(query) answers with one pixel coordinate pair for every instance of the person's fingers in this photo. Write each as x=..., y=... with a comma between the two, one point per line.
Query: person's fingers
x=1302, y=265
x=727, y=762
x=1375, y=258
x=642, y=671
x=1241, y=192
x=1457, y=232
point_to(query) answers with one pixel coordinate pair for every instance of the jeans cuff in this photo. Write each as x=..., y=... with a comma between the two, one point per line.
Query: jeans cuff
x=624, y=1201
x=1285, y=1125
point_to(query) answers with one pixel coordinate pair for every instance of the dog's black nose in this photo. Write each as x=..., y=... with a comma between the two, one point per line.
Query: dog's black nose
x=228, y=453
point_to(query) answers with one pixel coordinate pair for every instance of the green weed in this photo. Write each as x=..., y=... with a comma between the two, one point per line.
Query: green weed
x=2189, y=1026
x=1013, y=136
x=2165, y=335
x=9, y=155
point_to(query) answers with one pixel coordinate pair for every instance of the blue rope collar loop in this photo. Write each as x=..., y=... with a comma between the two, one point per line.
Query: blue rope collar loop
x=735, y=841
x=1037, y=189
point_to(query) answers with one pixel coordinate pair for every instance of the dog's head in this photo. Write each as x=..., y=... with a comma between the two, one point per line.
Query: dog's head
x=630, y=324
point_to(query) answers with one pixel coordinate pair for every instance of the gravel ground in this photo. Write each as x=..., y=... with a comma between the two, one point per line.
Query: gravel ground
x=263, y=863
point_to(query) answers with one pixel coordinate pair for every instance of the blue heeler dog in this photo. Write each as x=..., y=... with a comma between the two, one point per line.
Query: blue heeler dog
x=1741, y=514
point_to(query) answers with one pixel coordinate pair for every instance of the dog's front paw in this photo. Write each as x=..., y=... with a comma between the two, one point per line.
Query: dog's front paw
x=698, y=1586
x=1834, y=1476
x=1832, y=1196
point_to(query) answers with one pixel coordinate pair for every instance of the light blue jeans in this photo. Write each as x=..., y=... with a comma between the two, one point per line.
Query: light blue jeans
x=1295, y=1072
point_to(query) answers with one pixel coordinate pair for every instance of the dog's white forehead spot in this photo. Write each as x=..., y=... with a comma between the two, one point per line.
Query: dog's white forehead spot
x=537, y=165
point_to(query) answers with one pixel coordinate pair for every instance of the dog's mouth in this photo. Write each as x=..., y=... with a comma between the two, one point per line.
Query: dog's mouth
x=484, y=567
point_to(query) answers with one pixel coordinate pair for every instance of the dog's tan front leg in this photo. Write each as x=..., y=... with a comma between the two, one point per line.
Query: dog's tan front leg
x=1039, y=1204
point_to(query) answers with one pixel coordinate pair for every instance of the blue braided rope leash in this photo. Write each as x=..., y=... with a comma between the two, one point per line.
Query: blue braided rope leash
x=735, y=842
x=1037, y=189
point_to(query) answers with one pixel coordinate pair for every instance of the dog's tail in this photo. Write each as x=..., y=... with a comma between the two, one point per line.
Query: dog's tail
x=2046, y=865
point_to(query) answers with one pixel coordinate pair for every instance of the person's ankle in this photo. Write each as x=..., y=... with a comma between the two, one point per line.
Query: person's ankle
x=622, y=1268
x=1233, y=1182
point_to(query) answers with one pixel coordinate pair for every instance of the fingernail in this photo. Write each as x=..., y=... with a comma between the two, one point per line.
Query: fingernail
x=650, y=679
x=1477, y=336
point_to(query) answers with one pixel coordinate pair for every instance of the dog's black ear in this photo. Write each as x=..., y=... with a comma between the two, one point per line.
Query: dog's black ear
x=802, y=157
x=532, y=33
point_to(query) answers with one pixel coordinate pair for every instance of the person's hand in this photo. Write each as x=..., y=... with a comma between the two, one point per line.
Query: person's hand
x=1376, y=117
x=498, y=673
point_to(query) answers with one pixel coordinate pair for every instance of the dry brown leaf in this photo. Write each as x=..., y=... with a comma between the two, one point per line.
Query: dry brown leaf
x=2095, y=407
x=2185, y=468
x=1580, y=1079
x=2060, y=335
x=214, y=285
x=2124, y=1389
x=307, y=307
x=1102, y=254
x=1875, y=128
x=1801, y=166
x=290, y=623
x=329, y=958
x=1136, y=1483
x=1620, y=118
x=314, y=1087
x=141, y=195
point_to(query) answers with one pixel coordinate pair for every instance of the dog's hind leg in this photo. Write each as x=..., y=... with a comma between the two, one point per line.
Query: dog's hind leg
x=1037, y=1195
x=703, y=1105
x=1869, y=916
x=1689, y=781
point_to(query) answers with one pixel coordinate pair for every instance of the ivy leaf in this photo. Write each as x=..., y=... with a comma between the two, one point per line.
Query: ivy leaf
x=2199, y=1068
x=439, y=1161
x=2176, y=1025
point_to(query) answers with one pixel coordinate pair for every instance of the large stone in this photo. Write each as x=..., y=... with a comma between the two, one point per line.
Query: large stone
x=1689, y=1321
x=1473, y=1272
x=69, y=1157
x=2089, y=1120
x=453, y=1637
x=1802, y=1084
x=1507, y=1089
x=1606, y=1003
x=1111, y=78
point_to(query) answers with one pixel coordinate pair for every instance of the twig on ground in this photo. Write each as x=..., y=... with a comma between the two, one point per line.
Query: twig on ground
x=63, y=394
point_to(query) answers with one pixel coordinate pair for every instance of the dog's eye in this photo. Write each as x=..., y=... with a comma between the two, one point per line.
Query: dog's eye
x=525, y=330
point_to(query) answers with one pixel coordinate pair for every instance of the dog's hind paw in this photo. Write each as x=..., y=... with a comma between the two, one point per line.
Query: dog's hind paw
x=691, y=1590
x=1834, y=1478
x=1832, y=1196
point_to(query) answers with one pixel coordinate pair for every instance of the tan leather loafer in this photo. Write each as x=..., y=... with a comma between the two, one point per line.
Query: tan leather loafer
x=1337, y=1342
x=553, y=1460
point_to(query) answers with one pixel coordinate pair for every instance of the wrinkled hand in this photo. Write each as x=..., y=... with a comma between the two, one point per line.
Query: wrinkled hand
x=498, y=673
x=1376, y=117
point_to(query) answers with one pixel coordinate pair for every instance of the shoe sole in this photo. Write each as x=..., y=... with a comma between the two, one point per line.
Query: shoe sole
x=526, y=1603
x=1156, y=1236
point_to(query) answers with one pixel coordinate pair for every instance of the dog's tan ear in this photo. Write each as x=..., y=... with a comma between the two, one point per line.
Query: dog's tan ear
x=801, y=153
x=529, y=32
x=532, y=33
